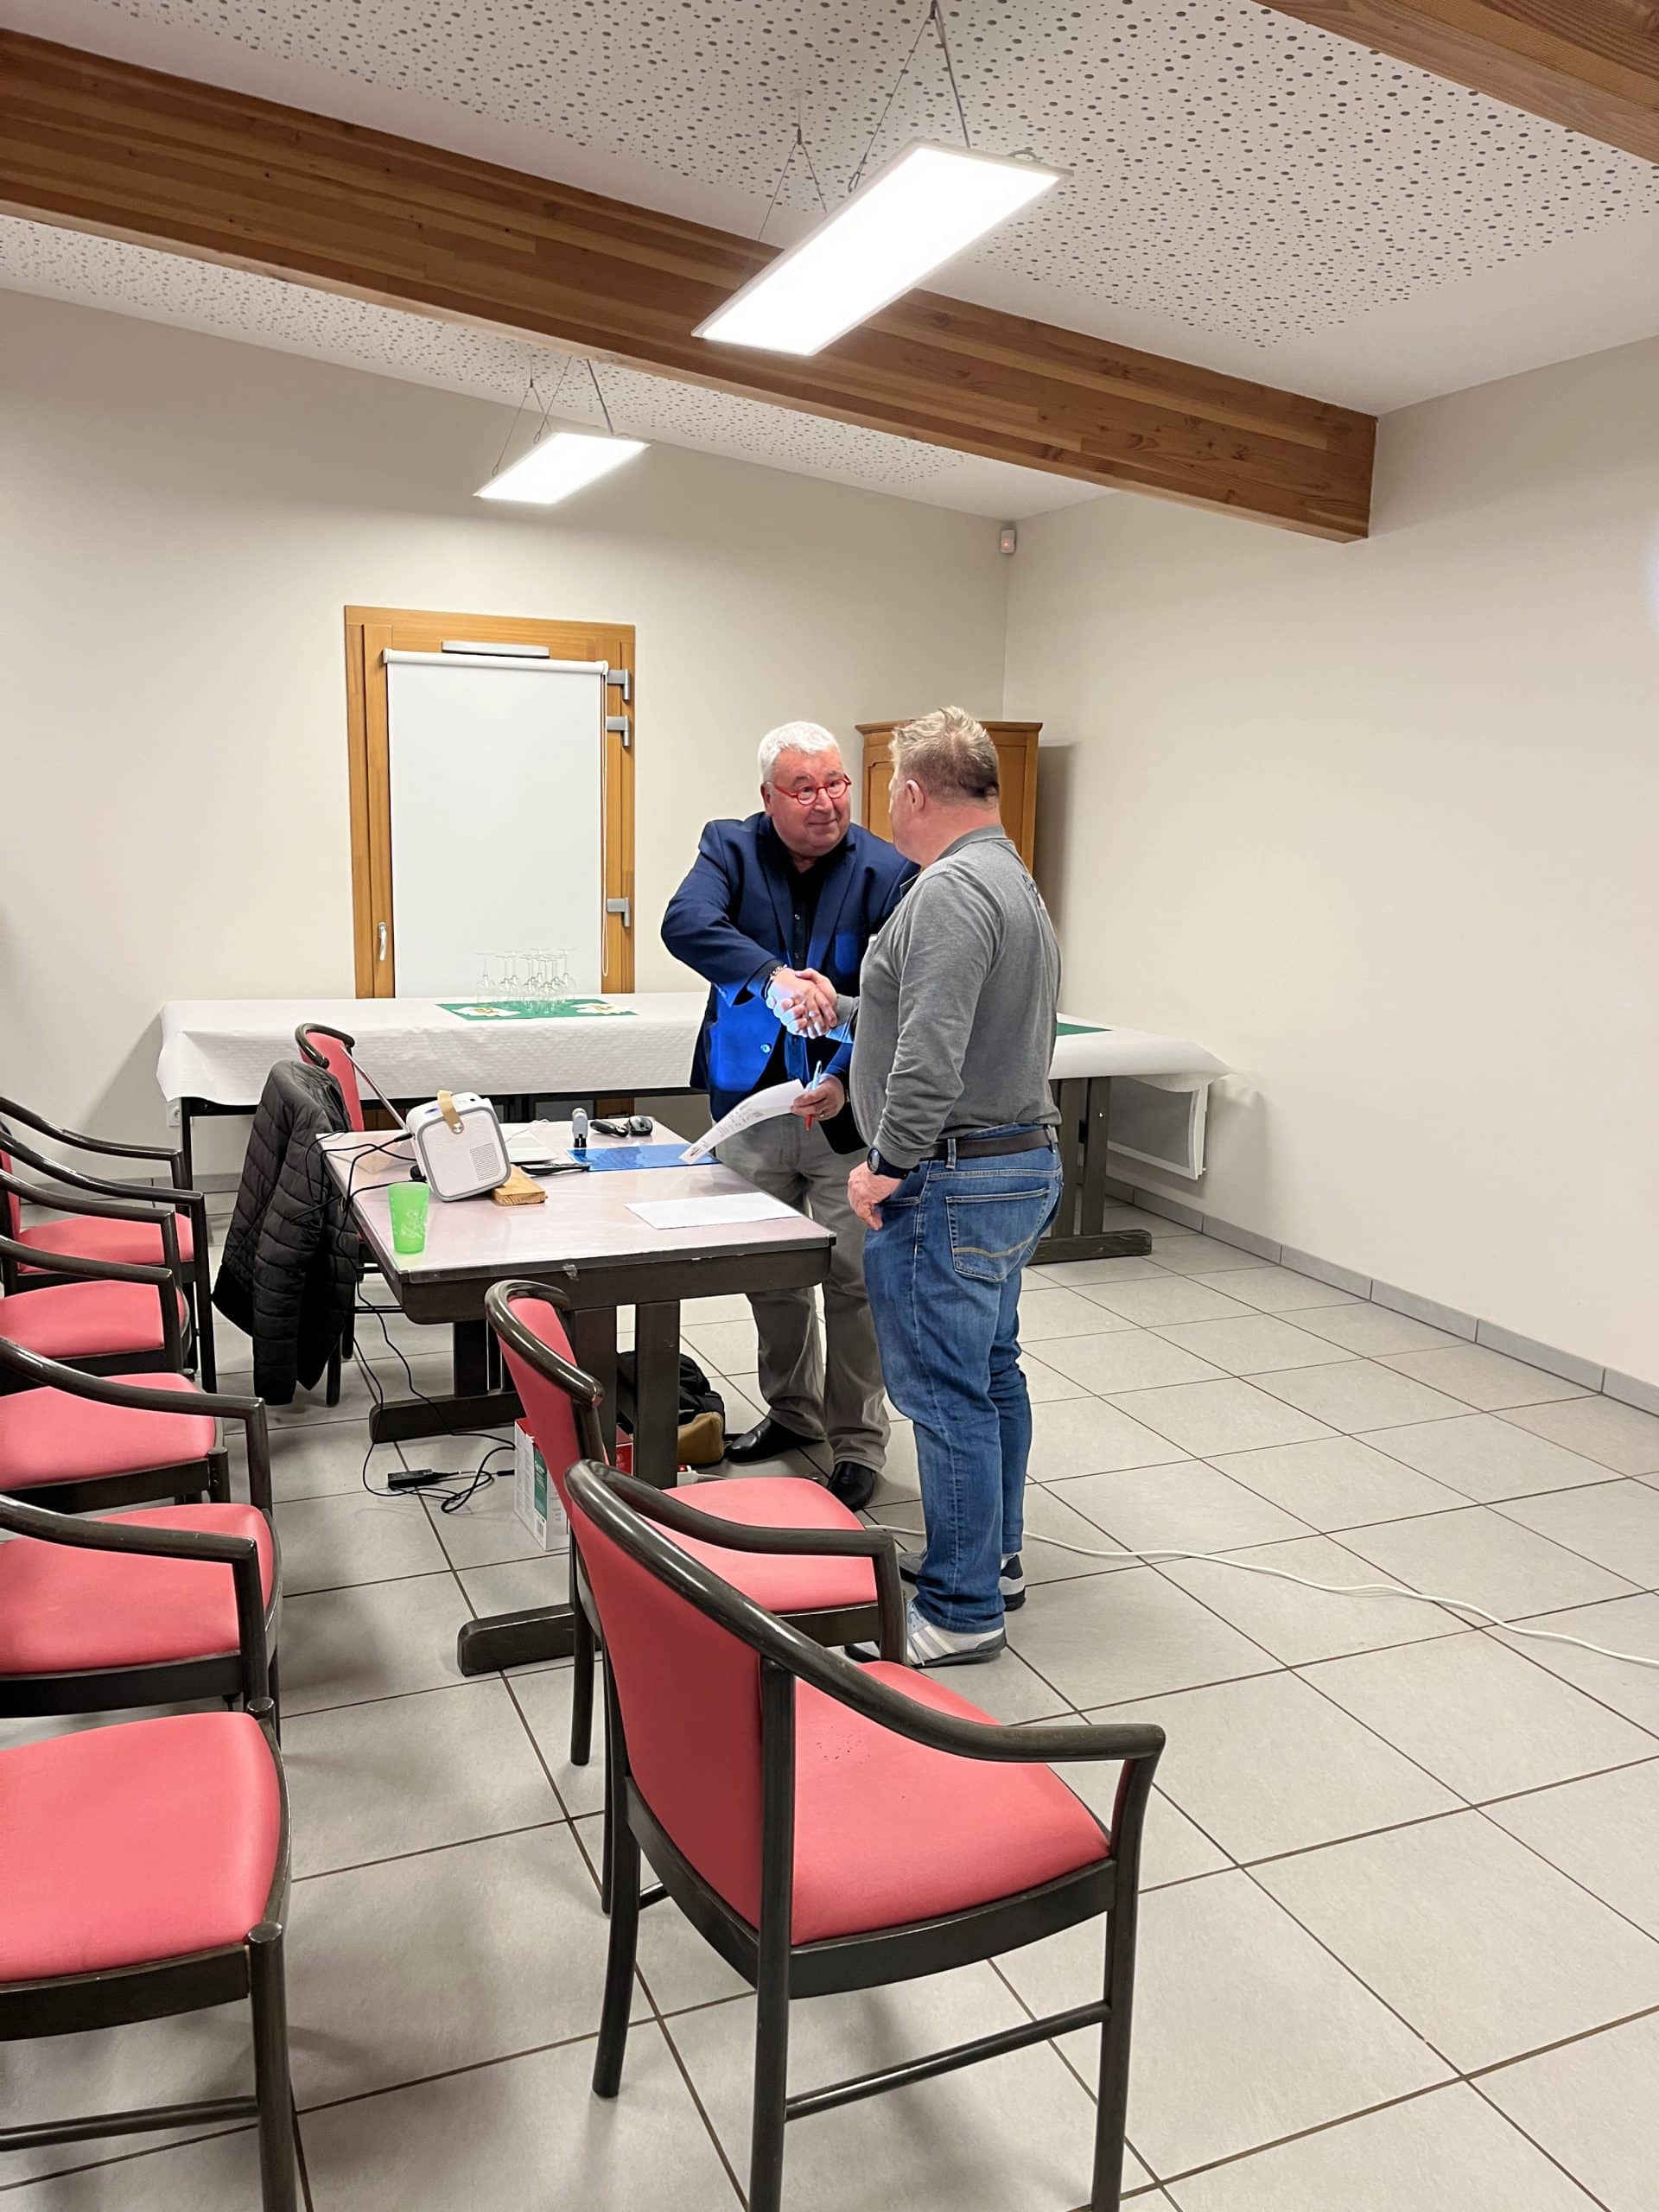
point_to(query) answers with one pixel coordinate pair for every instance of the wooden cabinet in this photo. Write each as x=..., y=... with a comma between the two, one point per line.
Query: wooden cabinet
x=1016, y=753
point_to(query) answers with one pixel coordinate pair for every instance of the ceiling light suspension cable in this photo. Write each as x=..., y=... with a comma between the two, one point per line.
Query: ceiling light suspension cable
x=935, y=18
x=801, y=148
x=893, y=229
x=548, y=404
x=558, y=462
x=594, y=376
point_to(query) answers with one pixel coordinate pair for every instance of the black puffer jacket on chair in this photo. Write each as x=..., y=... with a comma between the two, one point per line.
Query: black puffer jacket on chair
x=289, y=1276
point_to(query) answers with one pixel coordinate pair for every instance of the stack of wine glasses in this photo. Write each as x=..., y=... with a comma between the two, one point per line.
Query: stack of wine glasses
x=537, y=976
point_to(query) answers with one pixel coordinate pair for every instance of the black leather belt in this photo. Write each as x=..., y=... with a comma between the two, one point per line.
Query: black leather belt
x=989, y=1148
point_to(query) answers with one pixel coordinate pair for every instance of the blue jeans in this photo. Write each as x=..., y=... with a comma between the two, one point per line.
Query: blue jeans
x=943, y=1272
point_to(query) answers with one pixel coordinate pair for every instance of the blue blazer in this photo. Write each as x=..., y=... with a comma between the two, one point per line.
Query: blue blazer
x=730, y=920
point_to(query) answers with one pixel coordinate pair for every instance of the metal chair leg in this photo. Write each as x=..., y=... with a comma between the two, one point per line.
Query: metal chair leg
x=201, y=1309
x=1112, y=2110
x=770, y=2084
x=277, y=2178
x=581, y=1689
x=615, y=1813
x=331, y=1395
x=622, y=1865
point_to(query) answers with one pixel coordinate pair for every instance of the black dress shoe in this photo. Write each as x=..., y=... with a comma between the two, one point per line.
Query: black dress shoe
x=853, y=1484
x=768, y=1440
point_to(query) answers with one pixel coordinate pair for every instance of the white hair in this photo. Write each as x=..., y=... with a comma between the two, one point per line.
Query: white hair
x=809, y=738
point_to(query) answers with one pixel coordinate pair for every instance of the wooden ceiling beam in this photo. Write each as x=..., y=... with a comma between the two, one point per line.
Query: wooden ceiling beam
x=98, y=145
x=1593, y=65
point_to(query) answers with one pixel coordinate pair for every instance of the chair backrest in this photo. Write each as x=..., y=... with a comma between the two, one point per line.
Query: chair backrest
x=689, y=1691
x=553, y=1391
x=11, y=1213
x=332, y=1049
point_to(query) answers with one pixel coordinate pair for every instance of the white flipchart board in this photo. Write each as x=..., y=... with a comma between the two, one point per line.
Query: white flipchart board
x=496, y=810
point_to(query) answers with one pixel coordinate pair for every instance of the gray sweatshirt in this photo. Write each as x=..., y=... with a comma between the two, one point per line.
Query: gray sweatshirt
x=954, y=1022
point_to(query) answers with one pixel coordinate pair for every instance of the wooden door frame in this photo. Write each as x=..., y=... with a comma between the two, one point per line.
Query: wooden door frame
x=369, y=631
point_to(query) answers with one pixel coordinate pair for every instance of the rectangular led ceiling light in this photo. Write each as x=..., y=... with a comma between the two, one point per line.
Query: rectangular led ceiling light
x=910, y=218
x=558, y=466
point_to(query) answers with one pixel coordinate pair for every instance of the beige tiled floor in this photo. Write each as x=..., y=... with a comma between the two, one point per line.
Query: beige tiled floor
x=1400, y=1940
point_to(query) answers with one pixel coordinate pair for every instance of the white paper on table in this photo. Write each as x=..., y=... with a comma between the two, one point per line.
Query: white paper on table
x=709, y=1213
x=764, y=1106
x=537, y=1141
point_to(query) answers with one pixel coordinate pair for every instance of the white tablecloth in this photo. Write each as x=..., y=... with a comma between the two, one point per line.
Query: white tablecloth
x=222, y=1049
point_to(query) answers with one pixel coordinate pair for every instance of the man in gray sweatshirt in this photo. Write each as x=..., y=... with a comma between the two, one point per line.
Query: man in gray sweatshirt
x=953, y=1031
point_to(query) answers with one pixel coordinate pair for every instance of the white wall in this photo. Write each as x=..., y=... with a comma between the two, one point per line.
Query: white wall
x=182, y=522
x=1380, y=824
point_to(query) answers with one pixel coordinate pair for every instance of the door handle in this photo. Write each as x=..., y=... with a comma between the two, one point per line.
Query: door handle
x=380, y=940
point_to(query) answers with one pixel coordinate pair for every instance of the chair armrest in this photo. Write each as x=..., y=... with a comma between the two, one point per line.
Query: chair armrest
x=71, y=1263
x=85, y=1533
x=105, y=1186
x=239, y=1554
x=664, y=1506
x=11, y=1110
x=877, y=1545
x=117, y=1390
x=850, y=1684
x=104, y=1209
x=1038, y=1743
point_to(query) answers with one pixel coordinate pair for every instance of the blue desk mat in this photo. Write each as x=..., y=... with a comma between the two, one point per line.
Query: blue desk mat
x=611, y=1157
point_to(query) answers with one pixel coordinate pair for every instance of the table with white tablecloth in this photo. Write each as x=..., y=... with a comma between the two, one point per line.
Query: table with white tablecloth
x=216, y=1054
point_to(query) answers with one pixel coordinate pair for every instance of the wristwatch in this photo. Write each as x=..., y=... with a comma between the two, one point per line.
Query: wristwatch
x=877, y=1166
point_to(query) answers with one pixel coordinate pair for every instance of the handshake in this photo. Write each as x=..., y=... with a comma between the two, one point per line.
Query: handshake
x=803, y=1001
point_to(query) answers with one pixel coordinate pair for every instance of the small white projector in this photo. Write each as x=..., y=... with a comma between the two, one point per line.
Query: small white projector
x=458, y=1144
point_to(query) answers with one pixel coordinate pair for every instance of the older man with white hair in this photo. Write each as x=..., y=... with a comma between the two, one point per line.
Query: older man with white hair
x=797, y=885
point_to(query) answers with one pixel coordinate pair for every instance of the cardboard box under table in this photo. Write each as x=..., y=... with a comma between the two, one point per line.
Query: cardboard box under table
x=587, y=1241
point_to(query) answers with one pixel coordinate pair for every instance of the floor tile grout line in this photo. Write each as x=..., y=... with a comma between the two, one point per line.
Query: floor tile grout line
x=661, y=2020
x=1574, y=1489
x=424, y=1689
x=1474, y=2083
x=446, y=2073
x=508, y=1684
x=560, y=1820
x=1477, y=2074
x=186, y=2141
x=1569, y=1781
x=1053, y=2042
x=1566, y=1875
x=1462, y=2074
x=1320, y=2127
x=1507, y=1415
x=1410, y=2026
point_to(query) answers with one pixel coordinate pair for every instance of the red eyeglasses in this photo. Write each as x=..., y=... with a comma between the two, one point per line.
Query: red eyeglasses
x=833, y=787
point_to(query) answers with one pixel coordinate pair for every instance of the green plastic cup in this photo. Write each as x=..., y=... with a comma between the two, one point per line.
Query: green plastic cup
x=408, y=1204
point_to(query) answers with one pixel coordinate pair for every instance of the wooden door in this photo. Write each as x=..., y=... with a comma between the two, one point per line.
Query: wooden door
x=369, y=631
x=1016, y=755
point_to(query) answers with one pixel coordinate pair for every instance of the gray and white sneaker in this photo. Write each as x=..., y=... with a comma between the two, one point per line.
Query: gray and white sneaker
x=1011, y=1581
x=927, y=1645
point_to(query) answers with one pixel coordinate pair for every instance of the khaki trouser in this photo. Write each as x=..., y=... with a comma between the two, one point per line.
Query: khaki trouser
x=841, y=1398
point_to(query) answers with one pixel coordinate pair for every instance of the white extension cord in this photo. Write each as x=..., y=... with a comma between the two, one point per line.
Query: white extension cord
x=1460, y=1605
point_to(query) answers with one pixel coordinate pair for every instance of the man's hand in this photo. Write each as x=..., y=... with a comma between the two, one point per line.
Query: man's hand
x=804, y=1001
x=865, y=1190
x=825, y=1100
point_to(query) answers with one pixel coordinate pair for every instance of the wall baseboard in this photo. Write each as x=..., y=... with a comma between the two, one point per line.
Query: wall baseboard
x=1571, y=1366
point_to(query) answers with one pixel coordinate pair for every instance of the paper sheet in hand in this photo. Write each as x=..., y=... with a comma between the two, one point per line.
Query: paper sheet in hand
x=765, y=1106
x=711, y=1213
